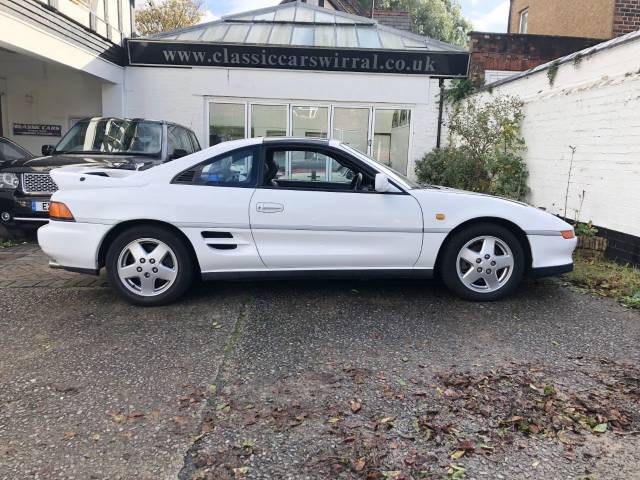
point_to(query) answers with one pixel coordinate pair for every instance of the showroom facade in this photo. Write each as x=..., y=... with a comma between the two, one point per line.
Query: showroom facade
x=297, y=70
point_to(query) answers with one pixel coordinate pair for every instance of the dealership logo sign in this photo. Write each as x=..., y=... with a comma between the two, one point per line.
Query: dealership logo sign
x=178, y=54
x=37, y=130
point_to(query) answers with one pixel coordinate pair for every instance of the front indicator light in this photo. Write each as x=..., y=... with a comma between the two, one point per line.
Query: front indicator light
x=567, y=234
x=59, y=211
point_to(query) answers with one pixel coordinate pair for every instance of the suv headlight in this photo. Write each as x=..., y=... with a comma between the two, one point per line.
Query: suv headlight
x=8, y=181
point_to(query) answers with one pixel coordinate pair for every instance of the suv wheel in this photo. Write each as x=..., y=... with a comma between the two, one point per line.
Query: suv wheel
x=149, y=265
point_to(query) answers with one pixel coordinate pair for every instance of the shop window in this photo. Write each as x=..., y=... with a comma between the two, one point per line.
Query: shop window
x=269, y=120
x=226, y=122
x=351, y=126
x=391, y=138
x=310, y=122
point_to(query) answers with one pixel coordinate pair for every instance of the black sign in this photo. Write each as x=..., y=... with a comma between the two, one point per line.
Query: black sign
x=37, y=130
x=179, y=54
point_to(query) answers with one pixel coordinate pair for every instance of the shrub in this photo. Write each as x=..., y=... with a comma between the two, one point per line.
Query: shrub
x=485, y=143
x=452, y=167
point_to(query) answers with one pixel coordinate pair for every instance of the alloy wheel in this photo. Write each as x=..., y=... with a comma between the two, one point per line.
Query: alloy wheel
x=147, y=267
x=485, y=264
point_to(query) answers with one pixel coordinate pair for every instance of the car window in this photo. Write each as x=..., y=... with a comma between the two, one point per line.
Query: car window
x=10, y=152
x=113, y=136
x=178, y=139
x=235, y=169
x=310, y=169
x=194, y=141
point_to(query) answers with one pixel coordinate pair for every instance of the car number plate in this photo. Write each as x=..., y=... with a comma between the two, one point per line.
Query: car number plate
x=40, y=206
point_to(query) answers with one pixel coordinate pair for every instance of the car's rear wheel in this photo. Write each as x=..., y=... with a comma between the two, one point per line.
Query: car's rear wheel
x=149, y=265
x=483, y=262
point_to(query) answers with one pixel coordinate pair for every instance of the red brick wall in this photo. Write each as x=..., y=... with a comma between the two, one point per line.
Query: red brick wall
x=626, y=18
x=516, y=52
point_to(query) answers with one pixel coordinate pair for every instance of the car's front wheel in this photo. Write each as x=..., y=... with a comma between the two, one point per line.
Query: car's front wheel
x=149, y=265
x=483, y=262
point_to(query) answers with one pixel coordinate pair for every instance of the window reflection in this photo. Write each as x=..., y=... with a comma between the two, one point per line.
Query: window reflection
x=226, y=122
x=269, y=120
x=310, y=121
x=391, y=138
x=351, y=125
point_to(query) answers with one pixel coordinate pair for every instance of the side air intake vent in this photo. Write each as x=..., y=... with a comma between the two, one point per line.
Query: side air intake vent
x=185, y=177
x=223, y=246
x=216, y=235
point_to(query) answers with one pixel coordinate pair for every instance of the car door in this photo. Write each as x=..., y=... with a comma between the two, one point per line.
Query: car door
x=310, y=216
x=210, y=203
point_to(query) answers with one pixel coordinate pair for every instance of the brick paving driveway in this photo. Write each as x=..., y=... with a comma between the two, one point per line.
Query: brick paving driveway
x=25, y=265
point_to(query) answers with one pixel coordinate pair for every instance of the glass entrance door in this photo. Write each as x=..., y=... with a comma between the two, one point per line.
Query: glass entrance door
x=351, y=126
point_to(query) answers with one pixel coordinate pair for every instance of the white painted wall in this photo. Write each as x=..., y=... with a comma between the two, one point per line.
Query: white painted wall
x=491, y=76
x=36, y=91
x=594, y=106
x=179, y=95
x=28, y=39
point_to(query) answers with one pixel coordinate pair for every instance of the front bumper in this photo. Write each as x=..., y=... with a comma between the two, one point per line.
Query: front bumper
x=551, y=271
x=19, y=207
x=72, y=245
x=551, y=255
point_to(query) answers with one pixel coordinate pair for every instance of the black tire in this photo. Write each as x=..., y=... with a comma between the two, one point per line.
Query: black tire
x=185, y=267
x=448, y=264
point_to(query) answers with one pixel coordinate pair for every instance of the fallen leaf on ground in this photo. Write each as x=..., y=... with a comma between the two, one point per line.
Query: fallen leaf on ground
x=457, y=454
x=600, y=428
x=355, y=406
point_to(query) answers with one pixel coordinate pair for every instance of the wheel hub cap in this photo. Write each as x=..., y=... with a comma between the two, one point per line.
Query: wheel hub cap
x=485, y=264
x=147, y=267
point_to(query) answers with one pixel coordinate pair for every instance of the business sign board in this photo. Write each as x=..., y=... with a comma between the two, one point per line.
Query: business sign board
x=185, y=54
x=37, y=130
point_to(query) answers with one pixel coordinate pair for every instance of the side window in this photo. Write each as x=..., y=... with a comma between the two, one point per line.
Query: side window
x=9, y=152
x=178, y=142
x=194, y=141
x=235, y=169
x=311, y=169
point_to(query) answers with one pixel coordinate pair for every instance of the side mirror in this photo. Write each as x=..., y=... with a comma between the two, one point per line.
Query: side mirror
x=382, y=183
x=47, y=150
x=178, y=153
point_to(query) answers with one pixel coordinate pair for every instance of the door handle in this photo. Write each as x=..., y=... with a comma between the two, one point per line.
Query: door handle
x=269, y=207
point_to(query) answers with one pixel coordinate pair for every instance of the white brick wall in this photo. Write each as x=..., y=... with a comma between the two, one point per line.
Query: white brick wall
x=179, y=95
x=594, y=106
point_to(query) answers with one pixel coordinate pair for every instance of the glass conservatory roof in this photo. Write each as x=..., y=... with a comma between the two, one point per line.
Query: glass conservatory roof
x=301, y=25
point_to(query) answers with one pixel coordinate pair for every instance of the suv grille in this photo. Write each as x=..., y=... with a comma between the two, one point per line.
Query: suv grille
x=38, y=183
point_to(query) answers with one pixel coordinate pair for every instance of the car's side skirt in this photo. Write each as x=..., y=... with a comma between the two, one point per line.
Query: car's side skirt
x=421, y=273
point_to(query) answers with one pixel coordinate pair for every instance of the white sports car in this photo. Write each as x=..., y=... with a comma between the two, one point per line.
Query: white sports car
x=290, y=207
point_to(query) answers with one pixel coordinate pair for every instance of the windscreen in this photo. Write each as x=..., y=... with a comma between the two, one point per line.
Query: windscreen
x=113, y=136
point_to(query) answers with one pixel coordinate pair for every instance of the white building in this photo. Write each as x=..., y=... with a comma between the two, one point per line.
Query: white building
x=296, y=69
x=293, y=69
x=60, y=60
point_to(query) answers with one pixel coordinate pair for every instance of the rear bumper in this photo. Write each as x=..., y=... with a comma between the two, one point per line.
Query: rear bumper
x=72, y=245
x=551, y=271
